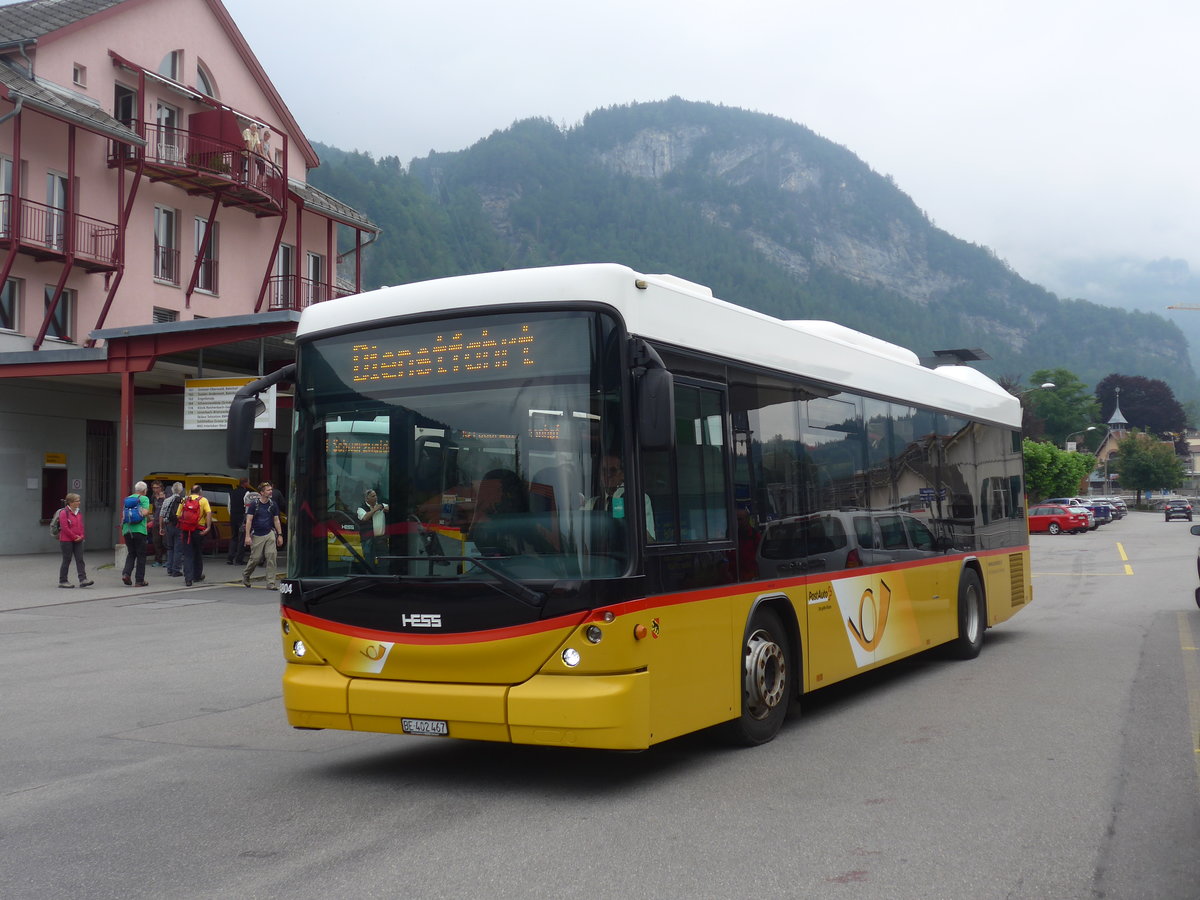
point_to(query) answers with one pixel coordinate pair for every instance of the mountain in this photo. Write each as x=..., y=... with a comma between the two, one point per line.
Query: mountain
x=1130, y=283
x=764, y=211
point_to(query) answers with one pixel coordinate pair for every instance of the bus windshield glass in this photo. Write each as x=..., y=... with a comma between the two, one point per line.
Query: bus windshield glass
x=421, y=447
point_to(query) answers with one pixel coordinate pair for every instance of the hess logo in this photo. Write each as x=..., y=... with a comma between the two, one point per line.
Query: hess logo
x=421, y=620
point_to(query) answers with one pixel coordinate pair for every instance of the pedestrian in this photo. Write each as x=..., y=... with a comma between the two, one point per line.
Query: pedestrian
x=70, y=541
x=134, y=515
x=237, y=523
x=157, y=498
x=264, y=535
x=194, y=518
x=170, y=530
x=372, y=518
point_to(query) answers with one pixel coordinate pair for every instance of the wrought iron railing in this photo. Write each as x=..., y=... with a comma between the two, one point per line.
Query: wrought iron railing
x=292, y=292
x=166, y=264
x=181, y=149
x=48, y=227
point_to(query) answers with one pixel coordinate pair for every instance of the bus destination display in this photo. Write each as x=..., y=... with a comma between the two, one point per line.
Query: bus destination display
x=486, y=352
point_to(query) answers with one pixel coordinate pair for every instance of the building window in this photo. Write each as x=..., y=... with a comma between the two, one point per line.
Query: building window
x=101, y=464
x=171, y=65
x=56, y=212
x=167, y=140
x=10, y=304
x=166, y=245
x=79, y=75
x=206, y=278
x=162, y=316
x=6, y=195
x=282, y=292
x=316, y=290
x=204, y=81
x=63, y=317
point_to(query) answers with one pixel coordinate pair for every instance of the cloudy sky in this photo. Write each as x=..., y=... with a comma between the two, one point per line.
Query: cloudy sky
x=1047, y=130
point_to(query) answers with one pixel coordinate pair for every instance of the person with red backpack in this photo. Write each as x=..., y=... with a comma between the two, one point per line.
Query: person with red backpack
x=193, y=519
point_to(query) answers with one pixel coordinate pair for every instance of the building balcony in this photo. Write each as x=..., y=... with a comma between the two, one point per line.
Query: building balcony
x=290, y=292
x=48, y=233
x=202, y=164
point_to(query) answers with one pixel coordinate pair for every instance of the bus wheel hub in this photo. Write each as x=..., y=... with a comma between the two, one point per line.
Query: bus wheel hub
x=766, y=674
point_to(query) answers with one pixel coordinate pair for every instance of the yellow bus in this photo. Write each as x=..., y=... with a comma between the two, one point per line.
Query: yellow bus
x=583, y=506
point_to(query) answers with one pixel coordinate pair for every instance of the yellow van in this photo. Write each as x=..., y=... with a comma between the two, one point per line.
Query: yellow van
x=217, y=489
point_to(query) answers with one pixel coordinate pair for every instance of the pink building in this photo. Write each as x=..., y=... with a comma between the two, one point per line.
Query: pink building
x=156, y=226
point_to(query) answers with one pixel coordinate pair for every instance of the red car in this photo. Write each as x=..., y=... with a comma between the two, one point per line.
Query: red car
x=1052, y=518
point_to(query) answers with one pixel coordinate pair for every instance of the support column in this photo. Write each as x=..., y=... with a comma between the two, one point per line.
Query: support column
x=125, y=439
x=268, y=451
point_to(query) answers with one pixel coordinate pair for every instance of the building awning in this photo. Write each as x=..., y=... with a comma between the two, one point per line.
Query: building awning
x=242, y=345
x=331, y=206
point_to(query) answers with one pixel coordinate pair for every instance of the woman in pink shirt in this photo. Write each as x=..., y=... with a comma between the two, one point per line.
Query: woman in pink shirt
x=70, y=540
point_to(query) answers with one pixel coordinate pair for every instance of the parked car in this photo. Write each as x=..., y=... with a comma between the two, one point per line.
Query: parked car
x=1177, y=509
x=1076, y=503
x=1054, y=518
x=1119, y=508
x=1195, y=529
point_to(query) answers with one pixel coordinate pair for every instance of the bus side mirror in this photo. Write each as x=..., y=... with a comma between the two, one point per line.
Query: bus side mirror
x=656, y=410
x=243, y=410
x=655, y=399
x=239, y=430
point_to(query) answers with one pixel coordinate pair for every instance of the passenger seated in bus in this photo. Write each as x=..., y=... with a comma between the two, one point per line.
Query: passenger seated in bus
x=612, y=477
x=501, y=507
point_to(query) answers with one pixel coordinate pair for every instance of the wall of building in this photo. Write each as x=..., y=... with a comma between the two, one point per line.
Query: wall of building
x=41, y=416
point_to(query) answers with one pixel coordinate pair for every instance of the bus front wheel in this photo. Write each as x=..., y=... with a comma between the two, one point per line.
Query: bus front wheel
x=971, y=617
x=766, y=679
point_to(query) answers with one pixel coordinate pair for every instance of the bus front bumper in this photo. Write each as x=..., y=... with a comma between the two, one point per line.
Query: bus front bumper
x=601, y=711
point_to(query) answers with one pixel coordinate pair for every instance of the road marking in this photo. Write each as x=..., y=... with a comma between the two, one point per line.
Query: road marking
x=1128, y=571
x=1121, y=550
x=1191, y=677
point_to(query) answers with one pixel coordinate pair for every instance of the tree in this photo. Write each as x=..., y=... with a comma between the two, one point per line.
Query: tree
x=1051, y=472
x=1147, y=464
x=1066, y=408
x=1146, y=403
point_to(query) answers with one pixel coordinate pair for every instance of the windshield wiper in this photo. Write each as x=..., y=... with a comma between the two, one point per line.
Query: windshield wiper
x=516, y=590
x=508, y=586
x=345, y=588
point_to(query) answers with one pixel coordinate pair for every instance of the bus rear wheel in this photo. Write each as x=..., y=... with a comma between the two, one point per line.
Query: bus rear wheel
x=971, y=617
x=766, y=679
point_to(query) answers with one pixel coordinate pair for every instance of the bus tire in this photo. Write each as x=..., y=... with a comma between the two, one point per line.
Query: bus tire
x=972, y=619
x=765, y=678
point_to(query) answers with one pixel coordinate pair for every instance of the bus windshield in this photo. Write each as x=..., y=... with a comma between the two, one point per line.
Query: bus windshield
x=423, y=447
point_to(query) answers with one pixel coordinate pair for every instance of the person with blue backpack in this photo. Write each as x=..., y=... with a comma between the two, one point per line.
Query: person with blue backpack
x=135, y=513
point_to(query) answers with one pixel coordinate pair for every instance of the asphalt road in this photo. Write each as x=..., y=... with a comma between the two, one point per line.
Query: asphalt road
x=144, y=753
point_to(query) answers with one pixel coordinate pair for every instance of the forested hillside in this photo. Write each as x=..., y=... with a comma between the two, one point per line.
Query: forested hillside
x=764, y=211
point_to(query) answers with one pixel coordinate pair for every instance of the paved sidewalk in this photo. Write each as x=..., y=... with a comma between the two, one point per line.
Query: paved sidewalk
x=32, y=580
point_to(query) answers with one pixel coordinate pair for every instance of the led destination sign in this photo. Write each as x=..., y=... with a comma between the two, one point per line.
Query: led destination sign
x=507, y=347
x=487, y=352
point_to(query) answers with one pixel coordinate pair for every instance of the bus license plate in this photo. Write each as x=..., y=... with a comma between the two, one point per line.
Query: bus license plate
x=424, y=726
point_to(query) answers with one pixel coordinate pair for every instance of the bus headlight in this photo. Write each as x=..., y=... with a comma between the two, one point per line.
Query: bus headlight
x=593, y=633
x=299, y=649
x=571, y=657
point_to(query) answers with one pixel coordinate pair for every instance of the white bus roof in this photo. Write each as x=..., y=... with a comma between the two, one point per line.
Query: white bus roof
x=668, y=309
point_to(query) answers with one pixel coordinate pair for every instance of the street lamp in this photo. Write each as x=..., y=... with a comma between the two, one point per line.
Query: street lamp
x=1067, y=443
x=1044, y=386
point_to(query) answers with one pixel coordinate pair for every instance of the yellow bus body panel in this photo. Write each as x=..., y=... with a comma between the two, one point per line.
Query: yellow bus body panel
x=663, y=667
x=602, y=711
